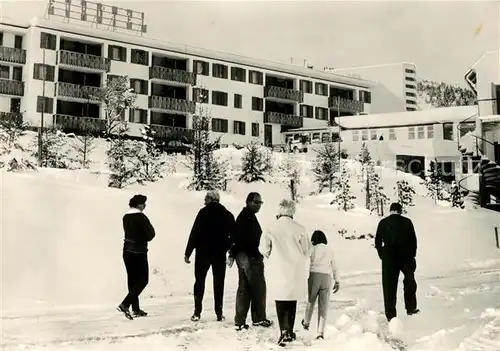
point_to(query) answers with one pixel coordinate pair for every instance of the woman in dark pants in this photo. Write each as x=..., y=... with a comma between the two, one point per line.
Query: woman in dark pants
x=138, y=232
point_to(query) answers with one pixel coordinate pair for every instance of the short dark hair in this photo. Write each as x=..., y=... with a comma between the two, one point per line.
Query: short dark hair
x=252, y=196
x=137, y=200
x=318, y=237
x=396, y=207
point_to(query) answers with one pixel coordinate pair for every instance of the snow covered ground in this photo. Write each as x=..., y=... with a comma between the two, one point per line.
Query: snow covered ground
x=62, y=273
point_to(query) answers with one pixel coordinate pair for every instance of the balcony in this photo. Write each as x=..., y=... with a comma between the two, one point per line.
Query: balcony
x=75, y=123
x=171, y=104
x=77, y=59
x=76, y=91
x=283, y=119
x=283, y=94
x=11, y=87
x=172, y=75
x=336, y=102
x=12, y=55
x=172, y=133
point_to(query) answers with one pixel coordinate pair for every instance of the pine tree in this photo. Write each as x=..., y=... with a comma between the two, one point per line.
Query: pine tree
x=405, y=193
x=151, y=162
x=456, y=196
x=12, y=127
x=434, y=182
x=53, y=153
x=122, y=159
x=83, y=145
x=326, y=165
x=256, y=162
x=377, y=196
x=344, y=198
x=291, y=170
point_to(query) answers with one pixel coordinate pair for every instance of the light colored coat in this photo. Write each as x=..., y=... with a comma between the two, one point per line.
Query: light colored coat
x=286, y=247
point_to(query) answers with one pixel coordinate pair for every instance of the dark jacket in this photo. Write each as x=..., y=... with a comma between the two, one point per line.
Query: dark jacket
x=138, y=231
x=396, y=238
x=211, y=231
x=247, y=233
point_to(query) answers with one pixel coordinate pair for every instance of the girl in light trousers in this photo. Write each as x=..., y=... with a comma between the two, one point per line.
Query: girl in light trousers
x=322, y=272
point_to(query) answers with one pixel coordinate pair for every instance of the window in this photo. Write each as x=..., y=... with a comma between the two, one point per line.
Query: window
x=411, y=102
x=4, y=72
x=306, y=86
x=476, y=164
x=306, y=111
x=44, y=104
x=364, y=135
x=48, y=41
x=219, y=125
x=238, y=101
x=117, y=53
x=239, y=127
x=219, y=98
x=200, y=95
x=420, y=132
x=321, y=89
x=410, y=109
x=256, y=77
x=430, y=132
x=465, y=165
x=1, y=38
x=138, y=115
x=219, y=71
x=322, y=113
x=255, y=129
x=40, y=71
x=466, y=128
x=112, y=77
x=17, y=73
x=448, y=131
x=373, y=135
x=18, y=41
x=139, y=57
x=15, y=105
x=411, y=133
x=365, y=96
x=201, y=67
x=238, y=74
x=355, y=135
x=407, y=70
x=410, y=86
x=411, y=94
x=410, y=79
x=257, y=104
x=140, y=86
x=392, y=134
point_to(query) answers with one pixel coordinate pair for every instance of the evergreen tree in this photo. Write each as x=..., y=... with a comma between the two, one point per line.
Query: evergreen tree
x=434, y=182
x=344, y=198
x=440, y=94
x=292, y=174
x=256, y=162
x=364, y=158
x=377, y=196
x=456, y=196
x=326, y=164
x=12, y=127
x=83, y=145
x=405, y=193
x=53, y=154
x=151, y=162
x=122, y=159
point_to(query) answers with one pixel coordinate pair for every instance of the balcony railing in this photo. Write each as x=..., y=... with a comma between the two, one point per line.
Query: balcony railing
x=336, y=102
x=172, y=133
x=84, y=60
x=12, y=55
x=171, y=104
x=283, y=93
x=172, y=75
x=284, y=119
x=11, y=87
x=75, y=123
x=77, y=91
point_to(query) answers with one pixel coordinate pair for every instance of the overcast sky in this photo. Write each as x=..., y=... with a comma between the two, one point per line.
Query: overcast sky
x=443, y=38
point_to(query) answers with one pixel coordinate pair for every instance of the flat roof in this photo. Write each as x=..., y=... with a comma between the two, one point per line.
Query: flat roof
x=84, y=29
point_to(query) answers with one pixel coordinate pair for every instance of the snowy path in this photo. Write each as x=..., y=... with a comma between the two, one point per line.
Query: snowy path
x=454, y=302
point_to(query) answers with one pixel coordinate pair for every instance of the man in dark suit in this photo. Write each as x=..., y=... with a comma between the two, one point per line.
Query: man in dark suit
x=396, y=244
x=210, y=237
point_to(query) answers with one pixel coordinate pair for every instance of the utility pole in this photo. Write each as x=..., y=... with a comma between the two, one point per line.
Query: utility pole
x=339, y=140
x=40, y=130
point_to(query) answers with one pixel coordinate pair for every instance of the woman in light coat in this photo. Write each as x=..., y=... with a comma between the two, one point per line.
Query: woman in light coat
x=286, y=246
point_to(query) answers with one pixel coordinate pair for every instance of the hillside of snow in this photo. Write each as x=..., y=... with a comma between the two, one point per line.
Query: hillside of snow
x=62, y=273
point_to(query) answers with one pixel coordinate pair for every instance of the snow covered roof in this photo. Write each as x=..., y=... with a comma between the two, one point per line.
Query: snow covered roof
x=493, y=118
x=400, y=119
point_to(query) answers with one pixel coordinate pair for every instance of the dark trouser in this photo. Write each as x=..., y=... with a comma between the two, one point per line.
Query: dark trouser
x=286, y=311
x=390, y=276
x=251, y=289
x=202, y=263
x=137, y=268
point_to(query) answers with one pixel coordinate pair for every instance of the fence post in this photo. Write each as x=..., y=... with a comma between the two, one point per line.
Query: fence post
x=497, y=239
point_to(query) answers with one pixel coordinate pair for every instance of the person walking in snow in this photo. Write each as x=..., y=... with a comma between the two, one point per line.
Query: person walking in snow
x=251, y=291
x=396, y=244
x=210, y=237
x=287, y=247
x=138, y=232
x=322, y=270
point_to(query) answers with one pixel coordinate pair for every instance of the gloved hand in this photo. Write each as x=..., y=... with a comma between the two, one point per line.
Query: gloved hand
x=336, y=287
x=187, y=260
